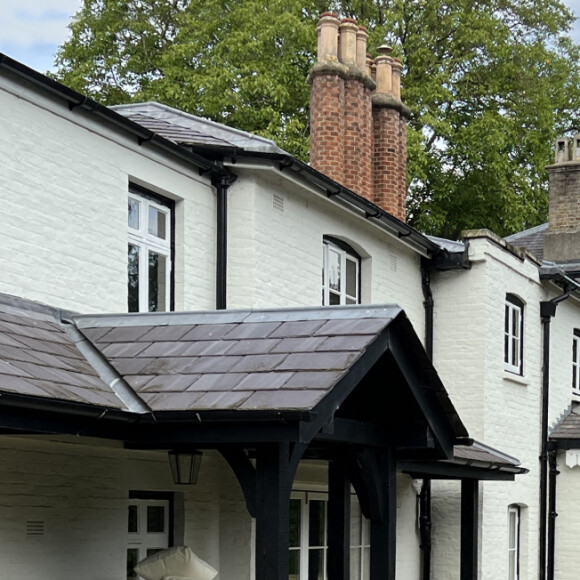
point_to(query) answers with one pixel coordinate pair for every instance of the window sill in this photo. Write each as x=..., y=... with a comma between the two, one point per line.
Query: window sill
x=517, y=379
x=576, y=396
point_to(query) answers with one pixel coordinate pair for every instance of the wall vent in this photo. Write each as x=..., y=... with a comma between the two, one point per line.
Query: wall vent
x=393, y=263
x=35, y=528
x=278, y=202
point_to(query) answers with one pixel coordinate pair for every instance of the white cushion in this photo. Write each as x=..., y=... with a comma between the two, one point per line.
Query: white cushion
x=175, y=578
x=179, y=561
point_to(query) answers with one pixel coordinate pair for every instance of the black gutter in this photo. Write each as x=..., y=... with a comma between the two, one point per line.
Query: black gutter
x=77, y=101
x=222, y=184
x=425, y=494
x=553, y=456
x=547, y=312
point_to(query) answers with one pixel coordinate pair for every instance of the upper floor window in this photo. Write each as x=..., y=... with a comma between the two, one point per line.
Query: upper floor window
x=513, y=334
x=340, y=274
x=576, y=361
x=149, y=257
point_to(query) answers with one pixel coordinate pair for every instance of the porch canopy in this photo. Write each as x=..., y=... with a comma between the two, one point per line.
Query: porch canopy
x=349, y=385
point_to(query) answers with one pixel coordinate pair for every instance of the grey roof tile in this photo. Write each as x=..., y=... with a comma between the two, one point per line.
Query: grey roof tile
x=168, y=383
x=172, y=401
x=125, y=334
x=261, y=381
x=218, y=382
x=164, y=333
x=313, y=380
x=255, y=346
x=283, y=399
x=188, y=349
x=350, y=326
x=95, y=334
x=21, y=386
x=303, y=344
x=252, y=330
x=207, y=332
x=222, y=400
x=9, y=368
x=318, y=361
x=9, y=340
x=124, y=349
x=357, y=342
x=258, y=363
x=297, y=329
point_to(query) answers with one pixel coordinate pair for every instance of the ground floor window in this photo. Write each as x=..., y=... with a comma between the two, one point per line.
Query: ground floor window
x=149, y=527
x=514, y=542
x=309, y=538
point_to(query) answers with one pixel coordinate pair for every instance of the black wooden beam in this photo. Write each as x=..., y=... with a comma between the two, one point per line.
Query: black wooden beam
x=338, y=561
x=273, y=486
x=446, y=470
x=245, y=473
x=469, y=529
x=384, y=530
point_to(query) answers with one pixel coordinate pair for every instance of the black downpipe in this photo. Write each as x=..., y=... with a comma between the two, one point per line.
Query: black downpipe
x=547, y=312
x=222, y=184
x=552, y=515
x=425, y=495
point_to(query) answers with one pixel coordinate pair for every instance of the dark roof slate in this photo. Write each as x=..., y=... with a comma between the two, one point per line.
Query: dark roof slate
x=39, y=358
x=569, y=426
x=531, y=239
x=245, y=362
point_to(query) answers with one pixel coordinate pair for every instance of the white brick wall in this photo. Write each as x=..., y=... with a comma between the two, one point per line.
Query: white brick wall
x=63, y=223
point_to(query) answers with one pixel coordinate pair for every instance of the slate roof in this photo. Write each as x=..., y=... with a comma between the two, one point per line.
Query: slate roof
x=531, y=239
x=38, y=357
x=569, y=426
x=184, y=128
x=244, y=360
x=477, y=454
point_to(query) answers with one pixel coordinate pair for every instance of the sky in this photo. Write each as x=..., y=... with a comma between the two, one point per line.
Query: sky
x=31, y=30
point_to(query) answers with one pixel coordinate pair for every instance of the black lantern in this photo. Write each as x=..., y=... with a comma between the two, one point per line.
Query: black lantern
x=185, y=466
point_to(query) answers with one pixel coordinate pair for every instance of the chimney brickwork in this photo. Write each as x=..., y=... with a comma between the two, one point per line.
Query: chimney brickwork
x=358, y=125
x=562, y=240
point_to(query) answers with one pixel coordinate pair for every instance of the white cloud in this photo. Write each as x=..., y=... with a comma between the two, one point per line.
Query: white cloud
x=26, y=23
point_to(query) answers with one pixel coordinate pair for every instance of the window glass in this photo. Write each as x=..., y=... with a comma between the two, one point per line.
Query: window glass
x=513, y=326
x=133, y=519
x=340, y=274
x=513, y=542
x=132, y=560
x=576, y=361
x=149, y=258
x=134, y=213
x=155, y=519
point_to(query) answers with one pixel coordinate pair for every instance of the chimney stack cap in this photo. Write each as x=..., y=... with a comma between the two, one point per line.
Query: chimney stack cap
x=384, y=50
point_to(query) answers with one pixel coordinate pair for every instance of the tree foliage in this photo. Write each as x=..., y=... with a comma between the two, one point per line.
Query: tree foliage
x=491, y=83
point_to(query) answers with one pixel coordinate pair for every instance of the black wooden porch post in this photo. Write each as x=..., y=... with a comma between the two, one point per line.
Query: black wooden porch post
x=384, y=529
x=469, y=528
x=273, y=486
x=338, y=566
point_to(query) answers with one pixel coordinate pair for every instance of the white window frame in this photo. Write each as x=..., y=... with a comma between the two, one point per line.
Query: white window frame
x=147, y=242
x=514, y=523
x=141, y=540
x=513, y=334
x=345, y=255
x=362, y=545
x=576, y=362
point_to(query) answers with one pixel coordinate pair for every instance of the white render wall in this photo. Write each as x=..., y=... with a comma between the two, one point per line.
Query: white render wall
x=498, y=408
x=63, y=224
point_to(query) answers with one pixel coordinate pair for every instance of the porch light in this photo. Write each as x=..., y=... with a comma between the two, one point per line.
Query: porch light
x=185, y=466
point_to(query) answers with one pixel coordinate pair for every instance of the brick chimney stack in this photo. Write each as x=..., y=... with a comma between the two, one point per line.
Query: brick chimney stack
x=357, y=122
x=562, y=241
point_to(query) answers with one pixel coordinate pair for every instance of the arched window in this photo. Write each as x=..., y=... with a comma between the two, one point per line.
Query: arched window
x=576, y=361
x=513, y=542
x=513, y=334
x=340, y=274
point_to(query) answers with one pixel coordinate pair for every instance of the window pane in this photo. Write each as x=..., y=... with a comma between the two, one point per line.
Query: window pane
x=133, y=519
x=294, y=523
x=351, y=278
x=316, y=523
x=333, y=269
x=134, y=213
x=155, y=519
x=316, y=564
x=157, y=223
x=133, y=272
x=294, y=565
x=132, y=560
x=333, y=298
x=157, y=282
x=151, y=551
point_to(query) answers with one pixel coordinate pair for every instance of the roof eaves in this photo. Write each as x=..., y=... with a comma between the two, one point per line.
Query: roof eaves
x=76, y=100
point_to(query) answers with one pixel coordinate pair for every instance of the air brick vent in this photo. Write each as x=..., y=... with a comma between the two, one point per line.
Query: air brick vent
x=278, y=203
x=35, y=528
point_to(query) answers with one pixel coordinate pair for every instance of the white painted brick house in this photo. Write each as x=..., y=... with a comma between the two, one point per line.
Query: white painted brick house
x=222, y=219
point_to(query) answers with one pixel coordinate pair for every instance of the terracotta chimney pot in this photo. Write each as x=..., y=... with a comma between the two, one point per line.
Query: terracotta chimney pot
x=327, y=31
x=348, y=41
x=361, y=48
x=369, y=66
x=397, y=67
x=384, y=73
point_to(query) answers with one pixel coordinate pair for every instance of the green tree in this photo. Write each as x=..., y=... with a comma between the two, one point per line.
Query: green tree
x=491, y=83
